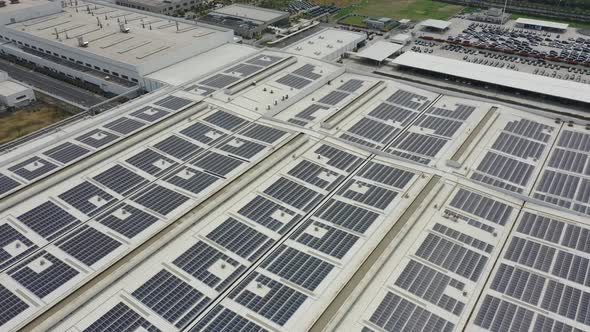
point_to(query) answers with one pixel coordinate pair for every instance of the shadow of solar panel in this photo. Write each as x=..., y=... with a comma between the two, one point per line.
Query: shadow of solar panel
x=97, y=138
x=441, y=126
x=339, y=158
x=66, y=152
x=242, y=148
x=294, y=194
x=203, y=133
x=307, y=71
x=222, y=319
x=530, y=129
x=32, y=168
x=429, y=285
x=121, y=318
x=408, y=99
x=461, y=112
x=217, y=163
x=243, y=69
x=505, y=168
x=87, y=198
x=240, y=239
x=420, y=144
x=309, y=111
x=293, y=81
x=42, y=274
x=201, y=259
x=300, y=268
x=387, y=175
x=11, y=238
x=346, y=215
x=395, y=313
x=150, y=114
x=530, y=253
x=191, y=179
x=368, y=194
x=127, y=220
x=451, y=256
x=7, y=184
x=171, y=298
x=120, y=179
x=219, y=81
x=178, y=147
x=569, y=161
x=333, y=98
x=518, y=146
x=316, y=175
x=263, y=133
x=392, y=113
x=324, y=238
x=173, y=103
x=225, y=120
x=574, y=140
x=151, y=162
x=124, y=125
x=11, y=305
x=518, y=284
x=267, y=213
x=264, y=60
x=277, y=305
x=375, y=131
x=499, y=315
x=351, y=85
x=88, y=245
x=48, y=220
x=159, y=199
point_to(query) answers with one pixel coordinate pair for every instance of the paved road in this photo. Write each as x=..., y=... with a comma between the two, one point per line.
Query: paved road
x=51, y=85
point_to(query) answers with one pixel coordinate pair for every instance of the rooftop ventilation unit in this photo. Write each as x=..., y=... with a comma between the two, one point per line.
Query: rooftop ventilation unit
x=14, y=1
x=123, y=28
x=82, y=42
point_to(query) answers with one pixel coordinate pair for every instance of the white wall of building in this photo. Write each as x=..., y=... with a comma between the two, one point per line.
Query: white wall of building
x=27, y=10
x=15, y=94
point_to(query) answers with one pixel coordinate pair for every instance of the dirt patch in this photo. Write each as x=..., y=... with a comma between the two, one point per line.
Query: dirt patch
x=28, y=119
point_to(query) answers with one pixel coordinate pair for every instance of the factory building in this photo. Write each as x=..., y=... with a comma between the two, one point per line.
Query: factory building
x=246, y=21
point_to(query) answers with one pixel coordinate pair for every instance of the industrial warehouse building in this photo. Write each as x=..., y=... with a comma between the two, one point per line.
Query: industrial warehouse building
x=246, y=21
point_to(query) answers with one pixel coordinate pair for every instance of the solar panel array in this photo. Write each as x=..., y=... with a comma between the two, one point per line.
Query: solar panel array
x=565, y=180
x=511, y=160
x=300, y=77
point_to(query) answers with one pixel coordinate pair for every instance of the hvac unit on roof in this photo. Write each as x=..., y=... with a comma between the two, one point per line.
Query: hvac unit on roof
x=82, y=42
x=123, y=28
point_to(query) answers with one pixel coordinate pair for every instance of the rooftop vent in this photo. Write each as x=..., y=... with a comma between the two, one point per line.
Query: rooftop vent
x=123, y=28
x=14, y=1
x=82, y=42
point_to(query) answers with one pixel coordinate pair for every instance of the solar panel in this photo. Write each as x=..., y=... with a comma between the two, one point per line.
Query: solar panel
x=307, y=71
x=203, y=133
x=339, y=158
x=388, y=112
x=120, y=179
x=297, y=122
x=298, y=267
x=570, y=161
x=574, y=140
x=32, y=168
x=500, y=315
x=530, y=253
x=316, y=175
x=294, y=194
x=242, y=148
x=264, y=60
x=424, y=145
x=124, y=125
x=440, y=126
x=221, y=319
x=171, y=298
x=209, y=265
x=42, y=274
x=217, y=163
x=173, y=103
x=10, y=305
x=87, y=198
x=530, y=129
x=309, y=111
x=150, y=114
x=505, y=168
x=97, y=138
x=225, y=120
x=219, y=81
x=191, y=180
x=127, y=220
x=275, y=302
x=269, y=214
x=240, y=239
x=151, y=162
x=333, y=98
x=374, y=130
x=13, y=245
x=513, y=281
x=408, y=99
x=263, y=133
x=66, y=152
x=159, y=199
x=461, y=112
x=48, y=220
x=293, y=81
x=178, y=147
x=464, y=238
x=88, y=245
x=518, y=146
x=243, y=69
x=121, y=318
x=351, y=85
x=386, y=175
x=368, y=194
x=200, y=89
x=346, y=215
x=560, y=184
x=324, y=238
x=7, y=184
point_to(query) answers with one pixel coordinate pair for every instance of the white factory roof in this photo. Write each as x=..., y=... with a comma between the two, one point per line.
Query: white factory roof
x=436, y=24
x=400, y=38
x=545, y=24
x=8, y=88
x=379, y=50
x=325, y=42
x=251, y=12
x=508, y=78
x=167, y=36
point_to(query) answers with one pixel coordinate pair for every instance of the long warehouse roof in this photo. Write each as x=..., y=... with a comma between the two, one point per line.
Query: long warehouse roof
x=545, y=24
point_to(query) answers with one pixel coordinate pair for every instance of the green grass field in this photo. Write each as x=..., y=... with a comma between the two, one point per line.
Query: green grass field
x=354, y=20
x=415, y=10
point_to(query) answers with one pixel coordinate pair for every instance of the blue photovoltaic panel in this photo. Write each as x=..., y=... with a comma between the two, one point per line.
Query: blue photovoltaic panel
x=87, y=198
x=120, y=179
x=7, y=184
x=332, y=241
x=10, y=305
x=48, y=220
x=151, y=162
x=66, y=152
x=11, y=237
x=127, y=220
x=268, y=214
x=88, y=245
x=191, y=179
x=97, y=138
x=32, y=168
x=160, y=199
x=240, y=239
x=178, y=147
x=221, y=319
x=121, y=318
